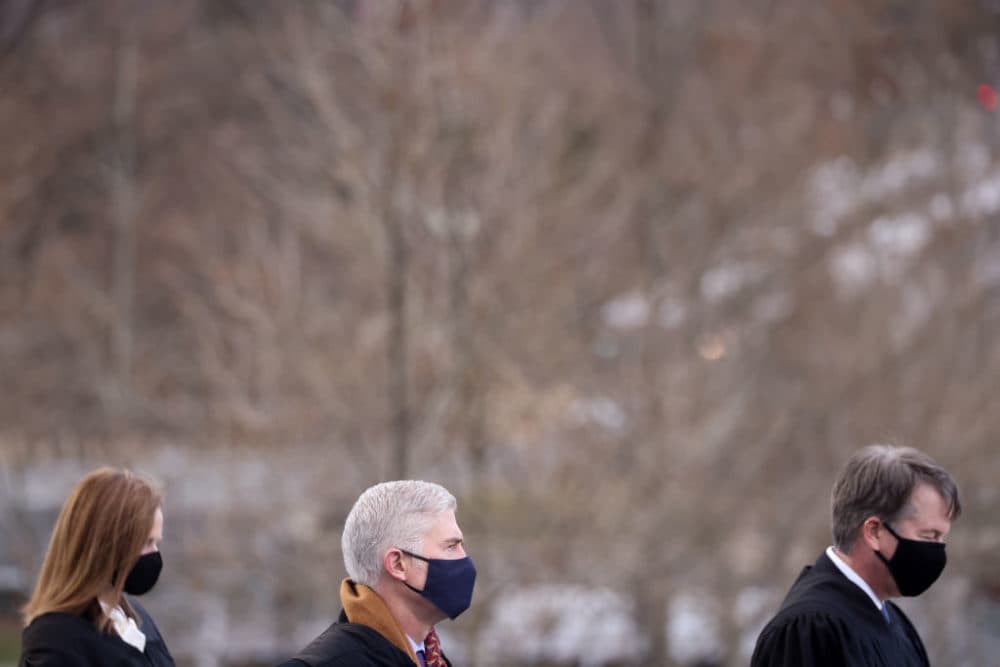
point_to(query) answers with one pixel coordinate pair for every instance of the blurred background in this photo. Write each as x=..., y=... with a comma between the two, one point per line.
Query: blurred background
x=632, y=278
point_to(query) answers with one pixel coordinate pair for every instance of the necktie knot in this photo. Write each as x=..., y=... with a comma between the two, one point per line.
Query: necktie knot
x=432, y=648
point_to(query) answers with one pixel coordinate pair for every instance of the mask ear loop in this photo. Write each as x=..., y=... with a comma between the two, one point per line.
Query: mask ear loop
x=418, y=557
x=891, y=532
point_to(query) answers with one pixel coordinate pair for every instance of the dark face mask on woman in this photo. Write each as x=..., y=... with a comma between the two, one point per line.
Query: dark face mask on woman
x=144, y=574
x=449, y=583
x=915, y=565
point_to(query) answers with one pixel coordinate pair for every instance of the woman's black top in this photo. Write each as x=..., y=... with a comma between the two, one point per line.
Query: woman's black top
x=65, y=640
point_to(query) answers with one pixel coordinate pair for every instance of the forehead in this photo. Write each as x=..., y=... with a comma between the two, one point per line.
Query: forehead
x=930, y=509
x=444, y=526
x=157, y=530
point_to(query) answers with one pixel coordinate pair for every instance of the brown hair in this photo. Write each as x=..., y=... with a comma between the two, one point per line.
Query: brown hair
x=878, y=481
x=98, y=537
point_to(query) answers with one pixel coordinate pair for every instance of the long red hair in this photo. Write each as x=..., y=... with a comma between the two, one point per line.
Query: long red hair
x=98, y=537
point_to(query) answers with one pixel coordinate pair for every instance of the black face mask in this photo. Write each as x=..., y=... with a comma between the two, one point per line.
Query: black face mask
x=144, y=574
x=915, y=565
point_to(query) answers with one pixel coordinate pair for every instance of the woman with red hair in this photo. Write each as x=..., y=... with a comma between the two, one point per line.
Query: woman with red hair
x=105, y=544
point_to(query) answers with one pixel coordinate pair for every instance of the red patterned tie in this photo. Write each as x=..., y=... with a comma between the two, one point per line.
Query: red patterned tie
x=432, y=645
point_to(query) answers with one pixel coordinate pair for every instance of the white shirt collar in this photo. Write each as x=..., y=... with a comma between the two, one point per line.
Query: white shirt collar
x=415, y=646
x=125, y=627
x=855, y=578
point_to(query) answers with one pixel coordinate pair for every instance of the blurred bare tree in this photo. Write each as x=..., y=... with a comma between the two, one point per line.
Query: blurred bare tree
x=632, y=278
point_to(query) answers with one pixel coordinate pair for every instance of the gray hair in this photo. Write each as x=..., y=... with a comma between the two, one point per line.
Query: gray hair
x=390, y=514
x=878, y=481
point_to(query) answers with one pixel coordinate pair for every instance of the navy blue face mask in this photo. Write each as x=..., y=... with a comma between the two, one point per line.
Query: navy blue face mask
x=449, y=583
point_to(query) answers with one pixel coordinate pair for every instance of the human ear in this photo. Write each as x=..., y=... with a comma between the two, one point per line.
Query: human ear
x=394, y=563
x=870, y=531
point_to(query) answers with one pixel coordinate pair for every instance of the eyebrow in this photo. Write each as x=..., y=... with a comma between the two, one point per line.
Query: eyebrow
x=453, y=540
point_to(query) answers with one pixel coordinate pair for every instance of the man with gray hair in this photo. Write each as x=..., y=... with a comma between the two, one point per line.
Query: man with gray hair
x=892, y=510
x=407, y=570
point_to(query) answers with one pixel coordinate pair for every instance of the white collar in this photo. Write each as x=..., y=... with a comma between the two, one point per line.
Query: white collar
x=853, y=576
x=125, y=627
x=415, y=646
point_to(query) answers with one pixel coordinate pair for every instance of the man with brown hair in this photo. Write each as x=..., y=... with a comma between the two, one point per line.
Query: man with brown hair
x=892, y=510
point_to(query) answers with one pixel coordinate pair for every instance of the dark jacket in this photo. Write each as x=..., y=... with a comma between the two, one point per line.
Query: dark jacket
x=66, y=640
x=365, y=635
x=346, y=644
x=827, y=621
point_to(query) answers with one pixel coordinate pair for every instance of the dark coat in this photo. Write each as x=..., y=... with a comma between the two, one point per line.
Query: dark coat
x=827, y=621
x=346, y=644
x=65, y=640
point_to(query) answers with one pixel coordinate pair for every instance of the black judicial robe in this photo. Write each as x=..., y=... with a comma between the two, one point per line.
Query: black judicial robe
x=827, y=621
